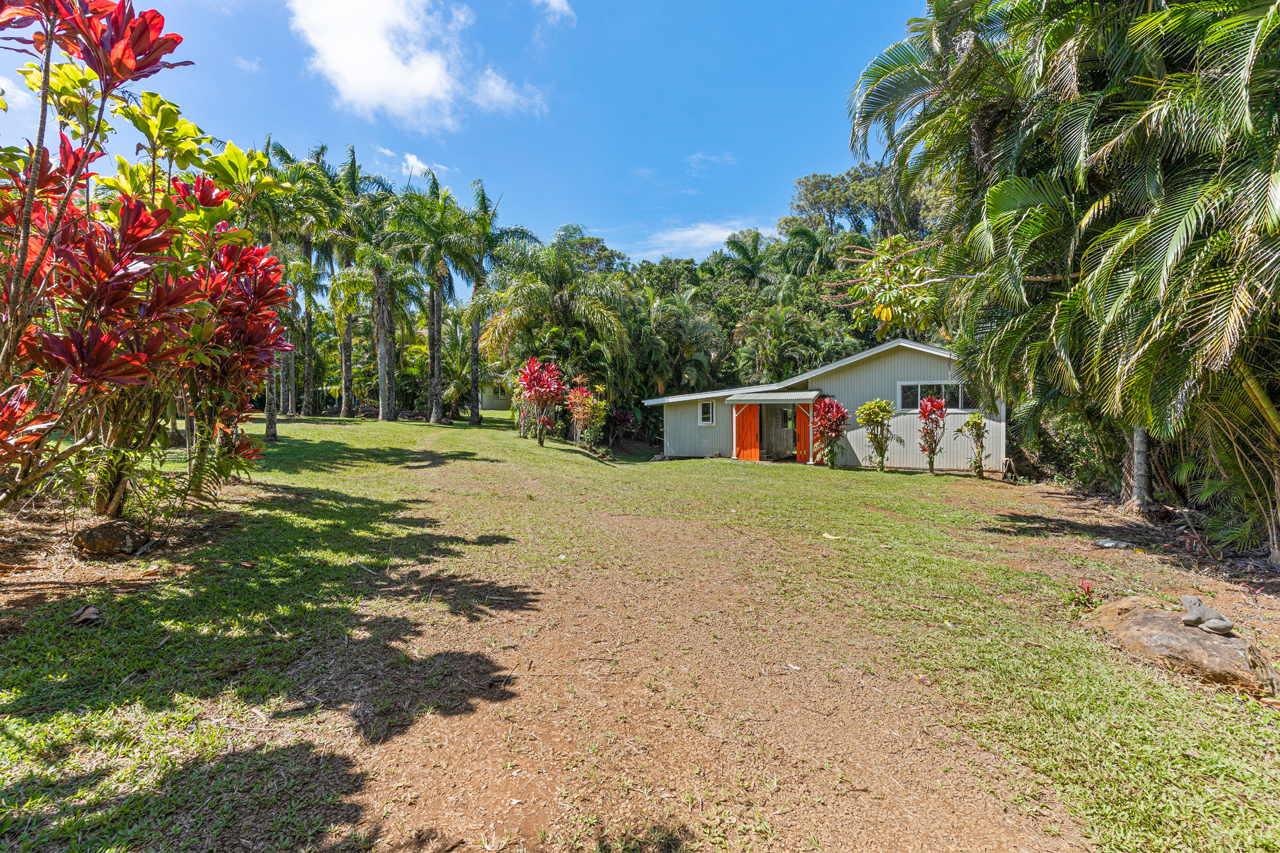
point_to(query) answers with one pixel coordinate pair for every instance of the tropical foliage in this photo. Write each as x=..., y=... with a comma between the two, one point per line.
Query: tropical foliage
x=1107, y=225
x=131, y=298
x=828, y=422
x=876, y=418
x=933, y=427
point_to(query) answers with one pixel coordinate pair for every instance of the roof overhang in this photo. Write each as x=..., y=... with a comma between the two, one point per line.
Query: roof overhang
x=776, y=398
x=707, y=395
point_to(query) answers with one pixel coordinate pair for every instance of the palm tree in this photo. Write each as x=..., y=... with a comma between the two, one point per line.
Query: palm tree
x=747, y=259
x=546, y=297
x=432, y=232
x=304, y=217
x=485, y=240
x=364, y=205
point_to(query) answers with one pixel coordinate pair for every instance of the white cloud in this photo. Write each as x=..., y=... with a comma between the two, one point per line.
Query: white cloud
x=251, y=65
x=643, y=173
x=697, y=240
x=699, y=162
x=495, y=93
x=413, y=166
x=385, y=152
x=557, y=10
x=18, y=97
x=405, y=59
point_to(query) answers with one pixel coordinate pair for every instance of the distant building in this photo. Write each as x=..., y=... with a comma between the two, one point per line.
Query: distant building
x=495, y=397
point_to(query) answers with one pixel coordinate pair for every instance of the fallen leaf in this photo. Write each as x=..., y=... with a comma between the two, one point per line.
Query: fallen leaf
x=86, y=615
x=829, y=536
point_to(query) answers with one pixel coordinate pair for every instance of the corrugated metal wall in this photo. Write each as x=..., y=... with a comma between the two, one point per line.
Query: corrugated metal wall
x=878, y=377
x=684, y=436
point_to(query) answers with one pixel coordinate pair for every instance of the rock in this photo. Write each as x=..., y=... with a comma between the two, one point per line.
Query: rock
x=111, y=537
x=1114, y=543
x=1204, y=618
x=1161, y=636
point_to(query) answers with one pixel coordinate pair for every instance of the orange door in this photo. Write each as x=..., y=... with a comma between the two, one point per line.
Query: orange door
x=747, y=432
x=802, y=434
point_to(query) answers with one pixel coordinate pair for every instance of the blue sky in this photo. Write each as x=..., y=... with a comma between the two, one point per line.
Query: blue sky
x=660, y=126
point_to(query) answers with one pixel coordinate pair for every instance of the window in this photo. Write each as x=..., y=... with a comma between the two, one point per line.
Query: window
x=707, y=414
x=788, y=418
x=911, y=393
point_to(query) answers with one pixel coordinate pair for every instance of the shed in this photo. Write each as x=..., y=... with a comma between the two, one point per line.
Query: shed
x=772, y=422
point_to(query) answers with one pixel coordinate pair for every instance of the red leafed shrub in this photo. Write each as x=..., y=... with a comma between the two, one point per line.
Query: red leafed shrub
x=829, y=420
x=933, y=423
x=541, y=390
x=119, y=307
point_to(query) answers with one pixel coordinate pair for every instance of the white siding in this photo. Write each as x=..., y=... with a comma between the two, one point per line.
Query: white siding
x=877, y=378
x=684, y=436
x=494, y=397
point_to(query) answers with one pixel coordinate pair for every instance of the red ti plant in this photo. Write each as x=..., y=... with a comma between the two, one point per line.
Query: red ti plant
x=933, y=423
x=829, y=420
x=110, y=309
x=542, y=389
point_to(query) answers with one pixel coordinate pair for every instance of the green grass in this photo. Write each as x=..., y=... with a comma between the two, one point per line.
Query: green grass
x=144, y=733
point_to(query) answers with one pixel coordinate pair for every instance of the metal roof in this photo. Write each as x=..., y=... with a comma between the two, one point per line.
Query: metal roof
x=777, y=398
x=709, y=395
x=804, y=377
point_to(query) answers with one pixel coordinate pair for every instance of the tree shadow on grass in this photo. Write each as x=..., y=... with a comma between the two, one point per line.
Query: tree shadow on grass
x=265, y=797
x=308, y=600
x=1045, y=527
x=292, y=455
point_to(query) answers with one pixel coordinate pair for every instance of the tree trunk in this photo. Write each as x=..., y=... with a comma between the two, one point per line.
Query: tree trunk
x=474, y=420
x=1140, y=502
x=393, y=362
x=272, y=433
x=309, y=367
x=348, y=393
x=175, y=434
x=380, y=344
x=436, y=360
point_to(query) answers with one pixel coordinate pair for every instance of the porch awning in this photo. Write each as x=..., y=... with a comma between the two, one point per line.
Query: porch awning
x=776, y=398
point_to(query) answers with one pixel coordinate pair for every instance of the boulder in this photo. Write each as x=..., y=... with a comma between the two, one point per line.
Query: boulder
x=1161, y=636
x=108, y=538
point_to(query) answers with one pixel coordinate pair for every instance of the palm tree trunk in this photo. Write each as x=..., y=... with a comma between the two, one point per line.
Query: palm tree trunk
x=348, y=393
x=290, y=386
x=436, y=360
x=272, y=433
x=393, y=361
x=380, y=344
x=479, y=284
x=309, y=367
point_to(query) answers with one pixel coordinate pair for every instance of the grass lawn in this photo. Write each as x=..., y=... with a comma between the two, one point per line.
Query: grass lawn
x=425, y=638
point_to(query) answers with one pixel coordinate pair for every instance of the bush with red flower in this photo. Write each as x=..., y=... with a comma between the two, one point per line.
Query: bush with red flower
x=933, y=426
x=829, y=420
x=540, y=391
x=124, y=299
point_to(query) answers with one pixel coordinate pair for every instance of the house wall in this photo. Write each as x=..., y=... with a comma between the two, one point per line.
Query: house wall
x=684, y=436
x=492, y=397
x=878, y=377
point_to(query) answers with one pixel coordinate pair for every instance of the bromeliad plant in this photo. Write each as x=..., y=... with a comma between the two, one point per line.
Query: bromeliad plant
x=828, y=422
x=117, y=303
x=933, y=426
x=975, y=429
x=876, y=417
x=541, y=390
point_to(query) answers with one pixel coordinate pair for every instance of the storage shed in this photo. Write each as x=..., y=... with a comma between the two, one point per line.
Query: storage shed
x=771, y=422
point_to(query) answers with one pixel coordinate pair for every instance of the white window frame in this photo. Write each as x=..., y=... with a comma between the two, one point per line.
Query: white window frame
x=712, y=404
x=959, y=410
